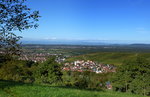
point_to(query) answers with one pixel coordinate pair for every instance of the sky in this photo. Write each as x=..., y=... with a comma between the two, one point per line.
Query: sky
x=126, y=20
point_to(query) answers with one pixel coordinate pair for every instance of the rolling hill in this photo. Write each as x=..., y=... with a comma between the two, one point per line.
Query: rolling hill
x=116, y=58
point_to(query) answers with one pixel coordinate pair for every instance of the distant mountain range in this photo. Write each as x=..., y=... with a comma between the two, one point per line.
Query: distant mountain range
x=83, y=42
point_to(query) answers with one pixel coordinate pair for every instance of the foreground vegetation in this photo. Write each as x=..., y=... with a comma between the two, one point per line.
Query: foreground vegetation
x=14, y=89
x=131, y=77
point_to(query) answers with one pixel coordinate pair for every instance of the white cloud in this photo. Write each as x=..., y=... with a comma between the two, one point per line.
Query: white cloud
x=52, y=38
x=142, y=30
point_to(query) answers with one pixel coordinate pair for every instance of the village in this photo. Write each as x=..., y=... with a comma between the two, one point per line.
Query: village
x=82, y=65
x=40, y=57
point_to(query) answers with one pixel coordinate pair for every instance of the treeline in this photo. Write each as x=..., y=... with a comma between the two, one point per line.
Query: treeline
x=133, y=76
x=17, y=70
x=29, y=71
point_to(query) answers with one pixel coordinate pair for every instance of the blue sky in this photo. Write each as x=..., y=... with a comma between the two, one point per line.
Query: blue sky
x=91, y=20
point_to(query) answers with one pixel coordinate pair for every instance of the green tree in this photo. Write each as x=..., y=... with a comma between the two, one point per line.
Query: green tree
x=67, y=78
x=133, y=76
x=141, y=76
x=17, y=70
x=14, y=16
x=49, y=72
x=85, y=79
x=122, y=77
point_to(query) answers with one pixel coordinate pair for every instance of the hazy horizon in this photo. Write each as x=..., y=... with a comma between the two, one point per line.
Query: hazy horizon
x=81, y=41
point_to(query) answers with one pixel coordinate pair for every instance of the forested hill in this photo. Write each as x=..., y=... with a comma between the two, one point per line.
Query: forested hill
x=116, y=58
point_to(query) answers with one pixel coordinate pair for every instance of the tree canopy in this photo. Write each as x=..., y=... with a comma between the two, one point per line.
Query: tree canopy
x=133, y=76
x=14, y=16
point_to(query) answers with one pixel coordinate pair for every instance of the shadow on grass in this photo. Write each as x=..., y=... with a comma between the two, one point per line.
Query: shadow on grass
x=69, y=87
x=8, y=83
x=5, y=84
x=77, y=88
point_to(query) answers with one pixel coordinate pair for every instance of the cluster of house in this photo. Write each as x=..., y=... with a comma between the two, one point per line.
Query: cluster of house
x=60, y=59
x=41, y=57
x=81, y=65
x=1, y=52
x=35, y=57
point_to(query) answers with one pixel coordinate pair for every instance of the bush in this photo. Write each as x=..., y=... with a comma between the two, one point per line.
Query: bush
x=48, y=72
x=86, y=79
x=17, y=70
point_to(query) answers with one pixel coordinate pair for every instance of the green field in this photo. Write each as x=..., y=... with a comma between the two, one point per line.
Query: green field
x=116, y=58
x=13, y=89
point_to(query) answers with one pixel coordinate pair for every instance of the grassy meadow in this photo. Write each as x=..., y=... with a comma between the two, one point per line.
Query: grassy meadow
x=14, y=89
